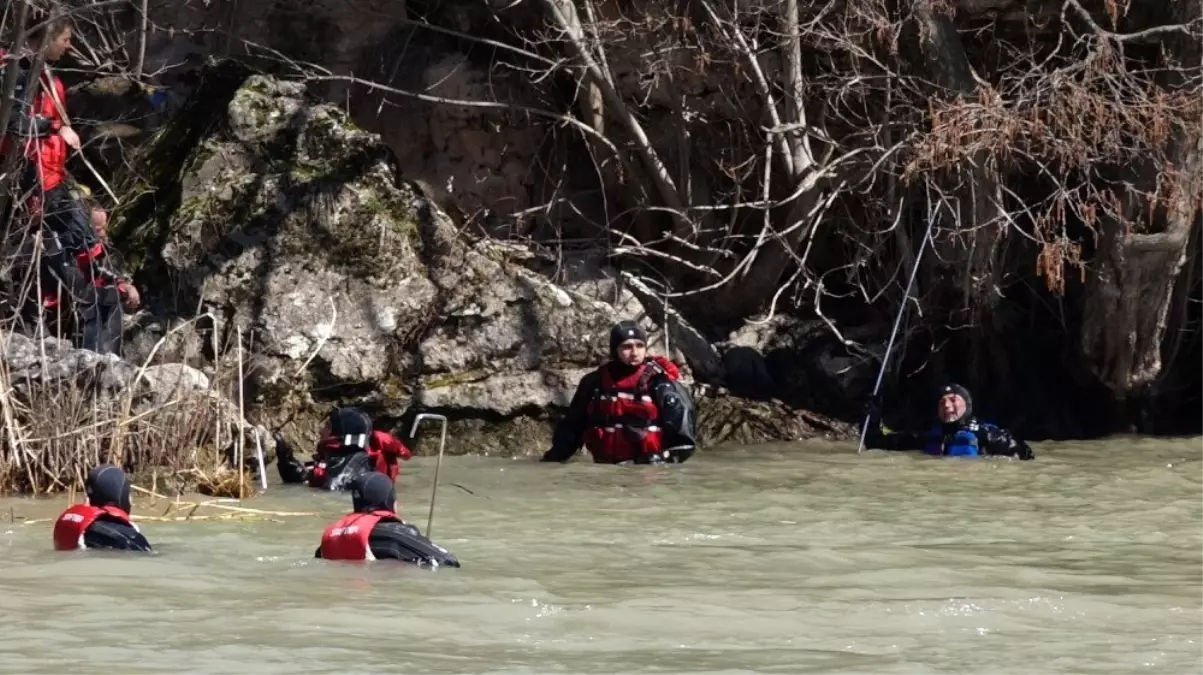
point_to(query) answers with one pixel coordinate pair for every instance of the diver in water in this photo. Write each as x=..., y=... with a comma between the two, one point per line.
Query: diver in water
x=348, y=448
x=630, y=410
x=103, y=521
x=375, y=531
x=957, y=434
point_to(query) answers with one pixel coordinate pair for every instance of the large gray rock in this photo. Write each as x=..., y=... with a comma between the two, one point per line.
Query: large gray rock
x=349, y=285
x=45, y=363
x=352, y=286
x=50, y=361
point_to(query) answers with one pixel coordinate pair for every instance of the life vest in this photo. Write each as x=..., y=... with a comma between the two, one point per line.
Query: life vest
x=963, y=443
x=622, y=418
x=70, y=527
x=49, y=155
x=347, y=538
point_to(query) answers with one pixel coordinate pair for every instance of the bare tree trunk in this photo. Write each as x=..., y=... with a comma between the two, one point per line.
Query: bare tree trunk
x=564, y=14
x=799, y=142
x=970, y=229
x=1128, y=299
x=593, y=107
x=10, y=74
x=34, y=78
x=1130, y=294
x=775, y=251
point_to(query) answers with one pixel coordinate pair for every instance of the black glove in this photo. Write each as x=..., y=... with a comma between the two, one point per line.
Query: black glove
x=996, y=437
x=1000, y=438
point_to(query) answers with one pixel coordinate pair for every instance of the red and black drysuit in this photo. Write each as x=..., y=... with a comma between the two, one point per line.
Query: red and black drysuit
x=73, y=262
x=622, y=413
x=104, y=521
x=349, y=449
x=375, y=531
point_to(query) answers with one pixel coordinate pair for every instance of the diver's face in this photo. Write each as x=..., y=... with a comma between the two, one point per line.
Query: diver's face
x=632, y=352
x=950, y=408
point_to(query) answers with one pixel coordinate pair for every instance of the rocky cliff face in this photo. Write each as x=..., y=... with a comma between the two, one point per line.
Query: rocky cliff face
x=291, y=225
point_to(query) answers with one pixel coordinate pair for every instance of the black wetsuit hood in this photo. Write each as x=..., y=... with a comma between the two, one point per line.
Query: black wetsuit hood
x=620, y=333
x=373, y=491
x=623, y=331
x=352, y=423
x=964, y=419
x=107, y=485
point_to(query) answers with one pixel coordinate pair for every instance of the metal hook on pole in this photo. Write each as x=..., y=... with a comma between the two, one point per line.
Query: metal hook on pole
x=413, y=432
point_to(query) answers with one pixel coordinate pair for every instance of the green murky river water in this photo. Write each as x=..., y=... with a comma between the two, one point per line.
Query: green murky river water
x=801, y=558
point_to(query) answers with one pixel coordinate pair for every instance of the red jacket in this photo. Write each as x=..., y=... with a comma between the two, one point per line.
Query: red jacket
x=49, y=153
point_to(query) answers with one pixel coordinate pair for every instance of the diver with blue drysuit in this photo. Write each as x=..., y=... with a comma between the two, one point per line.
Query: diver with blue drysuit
x=956, y=434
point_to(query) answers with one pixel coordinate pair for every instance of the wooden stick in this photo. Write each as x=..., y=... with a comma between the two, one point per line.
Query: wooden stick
x=152, y=493
x=242, y=509
x=217, y=516
x=58, y=105
x=241, y=420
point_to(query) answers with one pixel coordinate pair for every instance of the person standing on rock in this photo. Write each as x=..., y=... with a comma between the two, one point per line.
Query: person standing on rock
x=957, y=434
x=375, y=531
x=348, y=448
x=631, y=410
x=103, y=521
x=39, y=127
x=98, y=268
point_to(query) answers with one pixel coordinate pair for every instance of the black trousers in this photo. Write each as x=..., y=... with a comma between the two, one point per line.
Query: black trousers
x=95, y=310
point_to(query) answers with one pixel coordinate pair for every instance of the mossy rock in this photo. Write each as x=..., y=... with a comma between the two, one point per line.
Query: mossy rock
x=724, y=419
x=520, y=436
x=251, y=159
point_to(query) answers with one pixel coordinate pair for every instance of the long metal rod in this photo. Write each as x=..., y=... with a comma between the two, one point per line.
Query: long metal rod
x=885, y=361
x=438, y=464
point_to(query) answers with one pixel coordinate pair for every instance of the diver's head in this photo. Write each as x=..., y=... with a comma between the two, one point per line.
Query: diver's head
x=955, y=404
x=628, y=343
x=107, y=485
x=373, y=491
x=350, y=425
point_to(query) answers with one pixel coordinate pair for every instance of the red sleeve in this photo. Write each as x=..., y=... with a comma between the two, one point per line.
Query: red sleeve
x=669, y=367
x=388, y=444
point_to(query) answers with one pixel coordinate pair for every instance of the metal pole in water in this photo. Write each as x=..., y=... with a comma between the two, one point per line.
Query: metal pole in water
x=438, y=464
x=262, y=466
x=885, y=361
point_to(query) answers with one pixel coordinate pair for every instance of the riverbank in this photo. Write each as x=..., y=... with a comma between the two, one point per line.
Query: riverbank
x=66, y=410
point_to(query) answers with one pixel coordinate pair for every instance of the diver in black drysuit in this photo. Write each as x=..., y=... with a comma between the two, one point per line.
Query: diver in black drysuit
x=604, y=417
x=107, y=485
x=390, y=539
x=348, y=448
x=956, y=432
